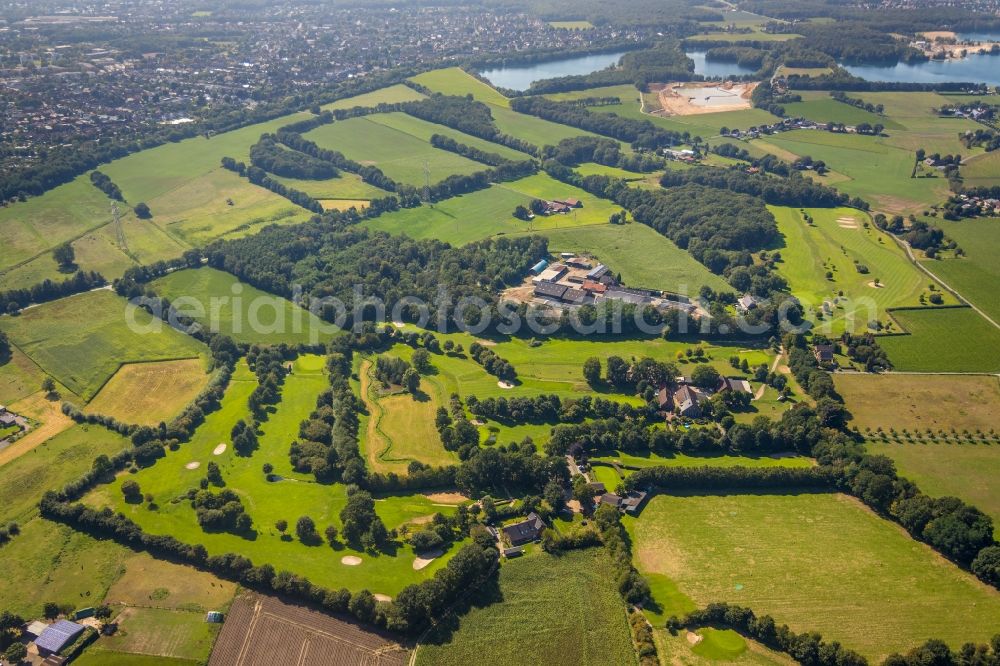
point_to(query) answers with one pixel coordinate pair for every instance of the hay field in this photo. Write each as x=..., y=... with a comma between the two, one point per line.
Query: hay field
x=399, y=428
x=920, y=402
x=82, y=340
x=424, y=130
x=163, y=633
x=147, y=393
x=346, y=186
x=820, y=107
x=456, y=81
x=389, y=95
x=816, y=562
x=982, y=170
x=548, y=610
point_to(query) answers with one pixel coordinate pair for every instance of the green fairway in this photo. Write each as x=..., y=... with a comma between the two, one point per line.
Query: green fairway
x=966, y=471
x=82, y=340
x=944, y=340
x=761, y=551
x=288, y=498
x=239, y=310
x=486, y=213
x=552, y=610
x=644, y=257
x=399, y=155
x=975, y=276
x=839, y=244
x=820, y=107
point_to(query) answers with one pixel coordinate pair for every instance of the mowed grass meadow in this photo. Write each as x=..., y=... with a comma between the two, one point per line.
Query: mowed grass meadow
x=490, y=212
x=241, y=311
x=82, y=340
x=977, y=274
x=288, y=498
x=548, y=610
x=819, y=562
x=943, y=340
x=400, y=155
x=968, y=471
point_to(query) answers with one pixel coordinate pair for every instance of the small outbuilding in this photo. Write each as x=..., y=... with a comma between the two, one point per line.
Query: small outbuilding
x=56, y=636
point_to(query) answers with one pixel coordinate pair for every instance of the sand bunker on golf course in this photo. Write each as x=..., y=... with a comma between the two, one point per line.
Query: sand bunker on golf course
x=219, y=450
x=423, y=560
x=350, y=560
x=192, y=465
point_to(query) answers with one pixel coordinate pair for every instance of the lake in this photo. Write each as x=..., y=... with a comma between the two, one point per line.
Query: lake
x=716, y=68
x=521, y=77
x=978, y=36
x=974, y=68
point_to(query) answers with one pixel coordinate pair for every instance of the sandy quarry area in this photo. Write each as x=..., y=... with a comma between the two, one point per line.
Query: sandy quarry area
x=688, y=99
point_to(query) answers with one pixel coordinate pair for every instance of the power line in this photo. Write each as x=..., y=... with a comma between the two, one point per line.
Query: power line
x=119, y=230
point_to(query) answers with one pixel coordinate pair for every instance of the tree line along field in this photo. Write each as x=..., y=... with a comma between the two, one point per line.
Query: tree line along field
x=764, y=552
x=287, y=498
x=82, y=340
x=241, y=311
x=943, y=340
x=548, y=609
x=838, y=243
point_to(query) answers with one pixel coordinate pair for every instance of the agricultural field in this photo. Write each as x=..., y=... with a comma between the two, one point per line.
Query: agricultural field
x=219, y=203
x=760, y=551
x=640, y=460
x=347, y=186
x=878, y=171
x=424, y=130
x=78, y=568
x=982, y=170
x=221, y=302
x=19, y=377
x=967, y=471
x=820, y=107
x=82, y=340
x=537, y=614
x=839, y=243
x=976, y=275
x=456, y=81
x=265, y=629
x=399, y=155
x=489, y=212
x=160, y=632
x=644, y=257
x=389, y=95
x=919, y=402
x=148, y=393
x=288, y=497
x=943, y=340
